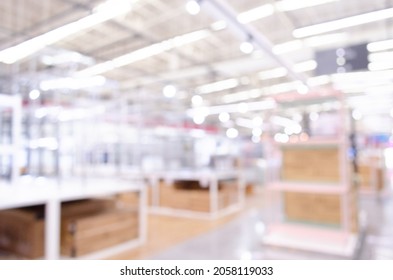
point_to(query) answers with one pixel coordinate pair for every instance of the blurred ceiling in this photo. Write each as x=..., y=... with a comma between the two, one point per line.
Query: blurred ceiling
x=140, y=47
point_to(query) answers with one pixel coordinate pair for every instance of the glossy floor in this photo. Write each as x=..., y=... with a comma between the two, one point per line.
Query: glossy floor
x=241, y=237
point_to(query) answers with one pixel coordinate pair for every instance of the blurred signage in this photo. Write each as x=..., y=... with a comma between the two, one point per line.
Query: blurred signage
x=341, y=60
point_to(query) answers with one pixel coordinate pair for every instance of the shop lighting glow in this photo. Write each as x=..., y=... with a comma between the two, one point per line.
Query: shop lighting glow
x=290, y=5
x=256, y=13
x=102, y=13
x=232, y=133
x=217, y=86
x=224, y=117
x=193, y=7
x=380, y=46
x=72, y=83
x=283, y=6
x=343, y=23
x=145, y=53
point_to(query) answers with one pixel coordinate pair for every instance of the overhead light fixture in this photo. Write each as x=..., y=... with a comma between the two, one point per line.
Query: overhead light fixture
x=169, y=91
x=283, y=6
x=197, y=100
x=145, y=53
x=242, y=95
x=288, y=47
x=256, y=13
x=219, y=25
x=193, y=7
x=380, y=56
x=279, y=72
x=380, y=46
x=34, y=94
x=72, y=83
x=217, y=86
x=102, y=13
x=343, y=23
x=290, y=5
x=224, y=117
x=232, y=133
x=233, y=108
x=246, y=47
x=311, y=42
x=380, y=65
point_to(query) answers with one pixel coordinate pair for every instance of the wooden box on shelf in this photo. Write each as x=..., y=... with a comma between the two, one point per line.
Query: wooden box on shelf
x=188, y=195
x=22, y=232
x=86, y=226
x=310, y=164
x=85, y=234
x=96, y=228
x=313, y=208
x=371, y=178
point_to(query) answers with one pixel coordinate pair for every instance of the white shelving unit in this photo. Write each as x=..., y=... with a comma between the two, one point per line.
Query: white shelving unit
x=208, y=178
x=50, y=194
x=341, y=241
x=13, y=103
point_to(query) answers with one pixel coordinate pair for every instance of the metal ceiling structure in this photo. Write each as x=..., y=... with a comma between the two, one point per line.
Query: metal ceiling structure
x=141, y=46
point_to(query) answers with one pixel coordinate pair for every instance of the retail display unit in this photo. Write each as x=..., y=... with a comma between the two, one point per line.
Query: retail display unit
x=51, y=195
x=371, y=171
x=217, y=193
x=11, y=108
x=318, y=198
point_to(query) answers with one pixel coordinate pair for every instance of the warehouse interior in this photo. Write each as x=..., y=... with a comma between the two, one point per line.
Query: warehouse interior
x=196, y=129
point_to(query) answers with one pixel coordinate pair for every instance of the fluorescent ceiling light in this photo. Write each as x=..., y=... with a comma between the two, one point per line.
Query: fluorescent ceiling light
x=240, y=96
x=232, y=108
x=34, y=94
x=256, y=13
x=288, y=47
x=282, y=72
x=73, y=83
x=305, y=66
x=380, y=46
x=145, y=52
x=246, y=47
x=193, y=7
x=343, y=23
x=217, y=86
x=169, y=91
x=380, y=65
x=197, y=100
x=232, y=133
x=311, y=42
x=224, y=117
x=380, y=56
x=273, y=73
x=102, y=13
x=291, y=5
x=285, y=5
x=219, y=25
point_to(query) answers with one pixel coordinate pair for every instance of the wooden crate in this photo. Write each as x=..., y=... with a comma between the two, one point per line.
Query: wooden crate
x=312, y=207
x=192, y=197
x=22, y=232
x=87, y=225
x=311, y=164
x=371, y=178
x=84, y=234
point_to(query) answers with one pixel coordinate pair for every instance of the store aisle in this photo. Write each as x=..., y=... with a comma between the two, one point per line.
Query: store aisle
x=241, y=238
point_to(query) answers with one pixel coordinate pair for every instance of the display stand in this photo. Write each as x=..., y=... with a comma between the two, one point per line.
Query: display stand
x=318, y=200
x=371, y=173
x=207, y=178
x=48, y=193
